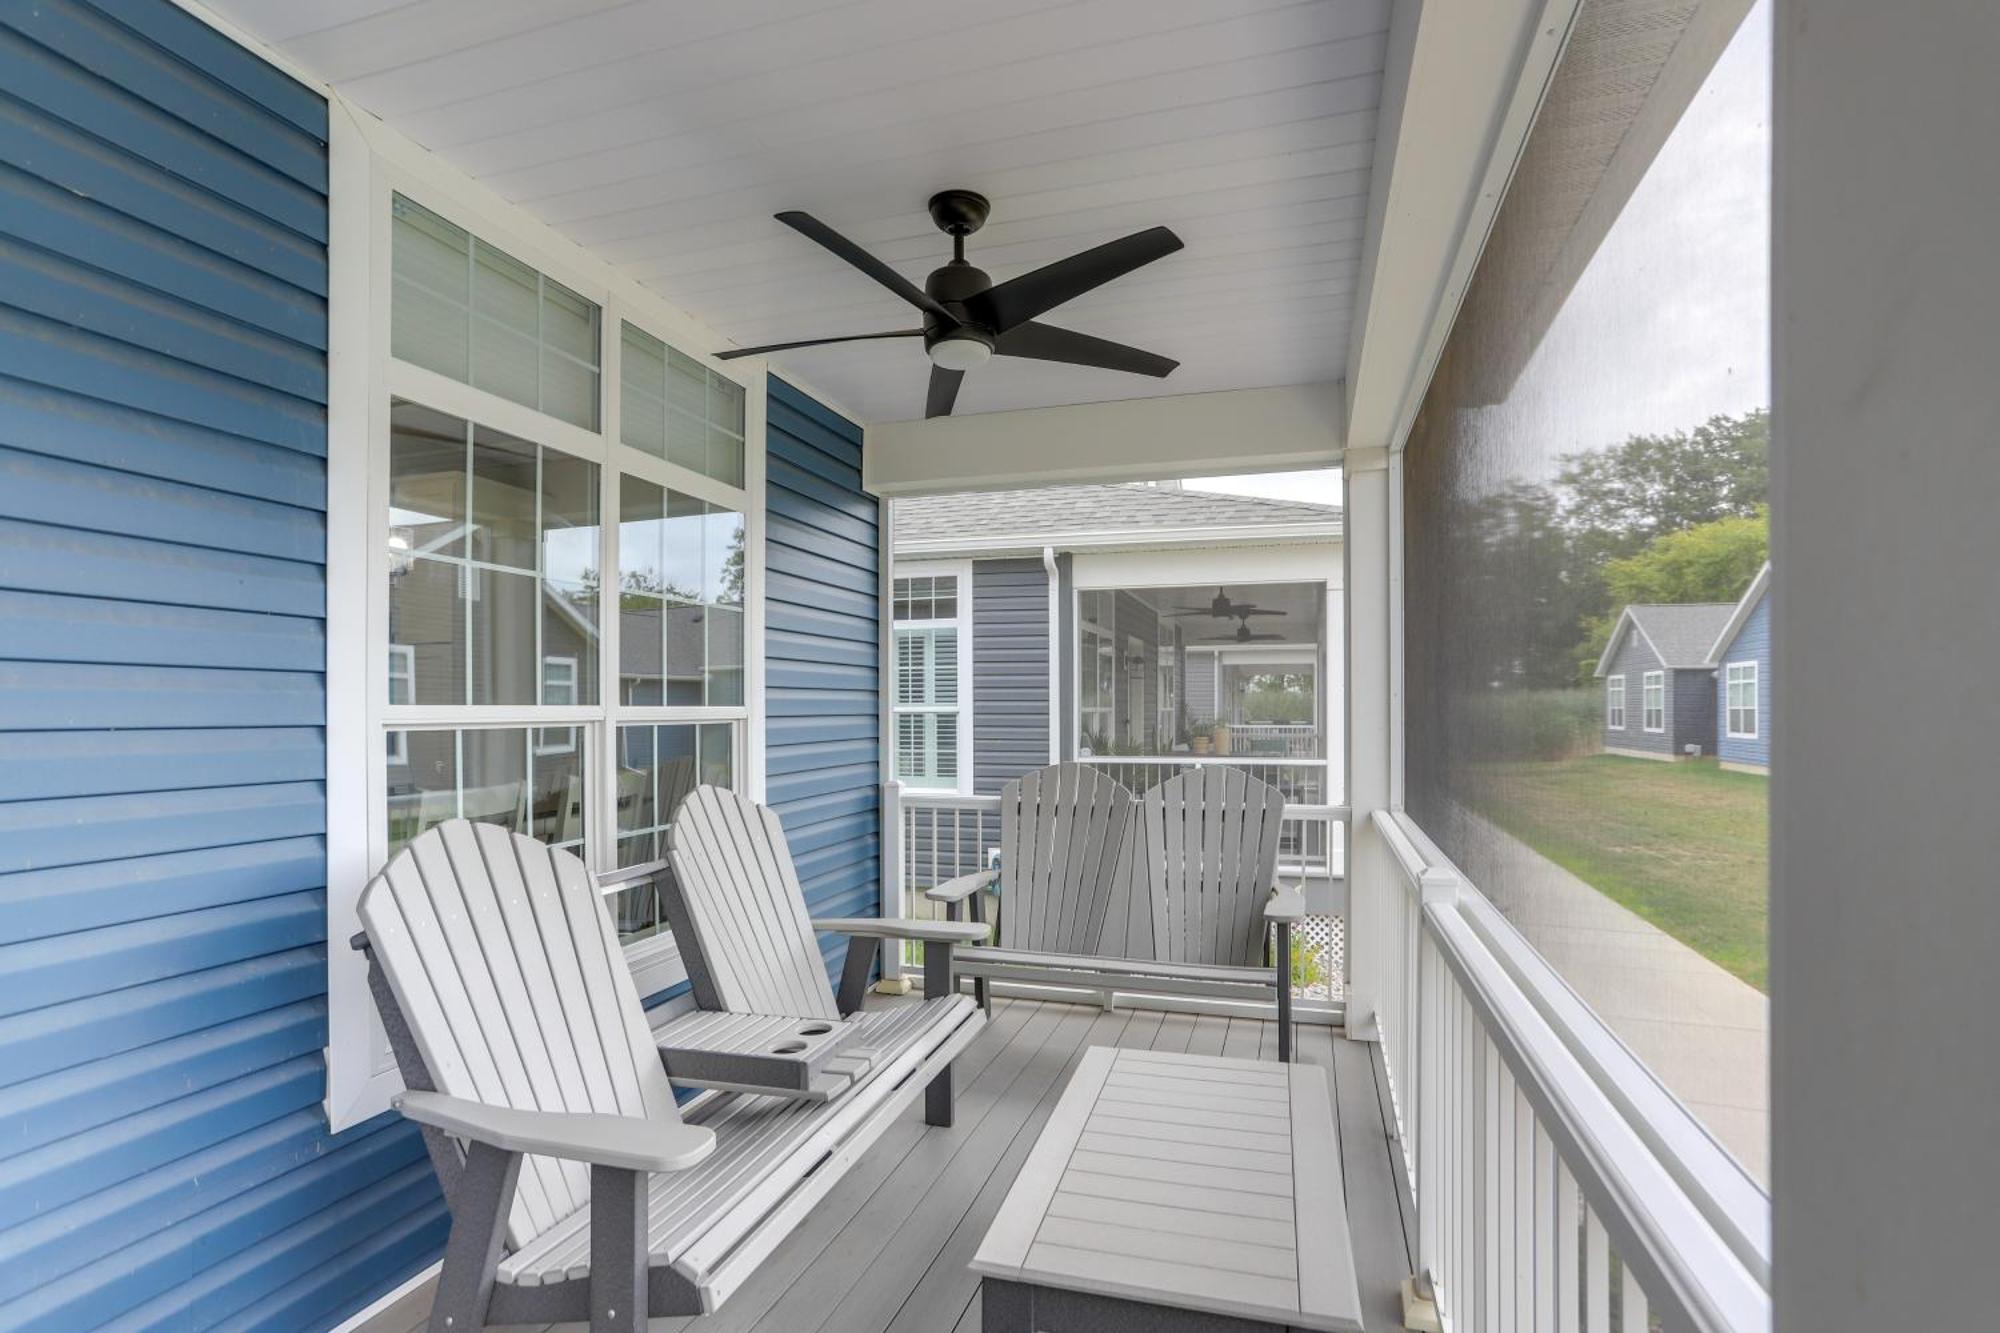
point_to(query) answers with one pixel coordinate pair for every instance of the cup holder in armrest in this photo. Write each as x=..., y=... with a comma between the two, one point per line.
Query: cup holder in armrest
x=788, y=1048
x=815, y=1029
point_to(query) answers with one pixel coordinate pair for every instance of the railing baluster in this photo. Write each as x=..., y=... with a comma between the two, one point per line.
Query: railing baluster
x=1569, y=1279
x=1632, y=1303
x=1545, y=1232
x=1597, y=1277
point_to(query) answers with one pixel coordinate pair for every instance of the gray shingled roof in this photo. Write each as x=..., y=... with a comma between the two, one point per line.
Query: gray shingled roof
x=1682, y=634
x=1049, y=512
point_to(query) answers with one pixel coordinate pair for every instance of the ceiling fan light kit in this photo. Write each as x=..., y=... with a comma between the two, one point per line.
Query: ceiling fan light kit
x=968, y=320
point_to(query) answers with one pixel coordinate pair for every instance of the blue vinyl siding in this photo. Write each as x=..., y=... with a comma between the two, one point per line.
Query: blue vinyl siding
x=164, y=1162
x=1751, y=644
x=822, y=653
x=1010, y=664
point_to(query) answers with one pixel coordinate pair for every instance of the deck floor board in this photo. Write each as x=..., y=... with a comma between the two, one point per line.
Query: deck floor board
x=886, y=1251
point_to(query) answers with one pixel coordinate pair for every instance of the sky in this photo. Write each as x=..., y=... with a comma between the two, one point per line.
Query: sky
x=1321, y=487
x=1670, y=322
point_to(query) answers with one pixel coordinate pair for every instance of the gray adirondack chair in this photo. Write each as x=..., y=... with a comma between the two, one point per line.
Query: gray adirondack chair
x=1182, y=903
x=739, y=914
x=578, y=1189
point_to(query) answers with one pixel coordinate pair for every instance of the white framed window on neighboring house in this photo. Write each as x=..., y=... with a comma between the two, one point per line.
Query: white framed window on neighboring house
x=1740, y=700
x=1614, y=702
x=932, y=701
x=555, y=540
x=1653, y=701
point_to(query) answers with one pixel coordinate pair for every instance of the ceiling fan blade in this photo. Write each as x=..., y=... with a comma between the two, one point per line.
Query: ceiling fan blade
x=735, y=352
x=1019, y=300
x=944, y=392
x=1046, y=342
x=813, y=229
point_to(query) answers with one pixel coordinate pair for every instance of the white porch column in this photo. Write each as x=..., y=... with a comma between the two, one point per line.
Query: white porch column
x=1373, y=687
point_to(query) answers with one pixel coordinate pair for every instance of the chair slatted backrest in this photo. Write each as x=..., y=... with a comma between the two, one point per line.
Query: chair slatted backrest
x=515, y=991
x=1207, y=844
x=1061, y=828
x=736, y=906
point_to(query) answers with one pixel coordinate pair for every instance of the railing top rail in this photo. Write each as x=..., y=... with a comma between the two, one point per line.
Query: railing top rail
x=1647, y=1164
x=919, y=798
x=1291, y=761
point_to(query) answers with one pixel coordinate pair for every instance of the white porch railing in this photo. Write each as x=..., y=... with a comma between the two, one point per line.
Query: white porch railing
x=1559, y=1187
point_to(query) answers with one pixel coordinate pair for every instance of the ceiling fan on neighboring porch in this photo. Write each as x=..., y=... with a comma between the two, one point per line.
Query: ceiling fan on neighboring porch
x=1244, y=634
x=1221, y=608
x=968, y=320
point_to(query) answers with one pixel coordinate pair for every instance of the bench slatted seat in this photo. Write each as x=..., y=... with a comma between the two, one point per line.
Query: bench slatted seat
x=1172, y=893
x=577, y=1187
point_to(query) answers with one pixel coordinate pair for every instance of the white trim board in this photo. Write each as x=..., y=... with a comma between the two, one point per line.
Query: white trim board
x=1281, y=429
x=1205, y=566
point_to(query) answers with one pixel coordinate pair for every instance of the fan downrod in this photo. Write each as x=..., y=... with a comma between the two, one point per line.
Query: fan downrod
x=959, y=212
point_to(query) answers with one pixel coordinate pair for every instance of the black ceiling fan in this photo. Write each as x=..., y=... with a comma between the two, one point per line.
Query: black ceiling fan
x=1243, y=632
x=967, y=319
x=1221, y=608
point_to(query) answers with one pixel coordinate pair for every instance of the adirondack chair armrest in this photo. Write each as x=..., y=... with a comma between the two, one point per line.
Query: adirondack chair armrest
x=626, y=1142
x=903, y=928
x=958, y=890
x=1285, y=906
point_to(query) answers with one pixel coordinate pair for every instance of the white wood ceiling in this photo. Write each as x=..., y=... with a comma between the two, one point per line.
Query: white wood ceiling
x=662, y=134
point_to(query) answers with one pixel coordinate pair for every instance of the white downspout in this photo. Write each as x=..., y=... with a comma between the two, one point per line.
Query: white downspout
x=1055, y=655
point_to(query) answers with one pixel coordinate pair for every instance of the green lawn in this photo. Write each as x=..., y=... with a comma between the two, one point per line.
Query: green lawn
x=1684, y=844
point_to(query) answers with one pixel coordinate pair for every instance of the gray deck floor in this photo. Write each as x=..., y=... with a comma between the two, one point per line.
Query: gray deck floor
x=886, y=1251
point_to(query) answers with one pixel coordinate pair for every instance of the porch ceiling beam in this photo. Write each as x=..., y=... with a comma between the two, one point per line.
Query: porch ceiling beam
x=1279, y=429
x=1464, y=80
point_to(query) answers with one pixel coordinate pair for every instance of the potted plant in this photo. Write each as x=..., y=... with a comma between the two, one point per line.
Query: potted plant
x=1219, y=737
x=1198, y=734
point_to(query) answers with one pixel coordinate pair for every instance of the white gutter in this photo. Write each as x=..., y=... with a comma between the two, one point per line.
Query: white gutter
x=1260, y=534
x=1055, y=654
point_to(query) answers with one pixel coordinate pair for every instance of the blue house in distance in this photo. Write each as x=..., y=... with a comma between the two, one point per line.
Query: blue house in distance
x=1742, y=661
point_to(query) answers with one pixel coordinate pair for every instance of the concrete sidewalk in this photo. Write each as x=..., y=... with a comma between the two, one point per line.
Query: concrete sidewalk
x=1703, y=1031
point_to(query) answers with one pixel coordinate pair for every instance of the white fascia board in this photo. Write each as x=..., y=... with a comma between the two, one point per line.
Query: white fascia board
x=1154, y=539
x=1745, y=604
x=1464, y=81
x=1283, y=428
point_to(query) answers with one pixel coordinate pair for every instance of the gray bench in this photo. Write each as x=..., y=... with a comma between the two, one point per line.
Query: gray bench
x=1176, y=1194
x=1170, y=893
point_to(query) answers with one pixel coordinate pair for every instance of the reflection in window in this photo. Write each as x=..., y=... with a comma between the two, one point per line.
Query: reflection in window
x=466, y=310
x=657, y=767
x=492, y=565
x=680, y=563
x=490, y=776
x=1585, y=514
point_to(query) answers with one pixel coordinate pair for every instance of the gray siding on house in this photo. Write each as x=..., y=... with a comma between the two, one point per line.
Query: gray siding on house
x=1690, y=703
x=1635, y=658
x=1010, y=670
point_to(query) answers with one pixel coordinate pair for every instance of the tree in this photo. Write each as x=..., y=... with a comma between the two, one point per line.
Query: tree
x=1615, y=501
x=1712, y=562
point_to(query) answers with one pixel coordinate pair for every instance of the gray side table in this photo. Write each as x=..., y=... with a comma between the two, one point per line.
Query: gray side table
x=1176, y=1194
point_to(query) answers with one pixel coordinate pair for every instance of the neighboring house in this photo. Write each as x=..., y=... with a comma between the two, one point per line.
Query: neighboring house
x=1659, y=688
x=1102, y=622
x=1741, y=658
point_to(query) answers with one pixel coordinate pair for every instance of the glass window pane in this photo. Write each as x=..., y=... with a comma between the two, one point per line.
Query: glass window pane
x=503, y=499
x=642, y=375
x=681, y=539
x=423, y=790
x=427, y=453
x=642, y=512
x=686, y=652
x=427, y=618
x=465, y=309
x=722, y=557
x=725, y=656
x=658, y=766
x=504, y=615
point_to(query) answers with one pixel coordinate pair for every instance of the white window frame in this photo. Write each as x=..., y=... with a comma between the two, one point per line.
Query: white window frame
x=1650, y=681
x=368, y=164
x=1614, y=713
x=960, y=571
x=1730, y=680
x=403, y=665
